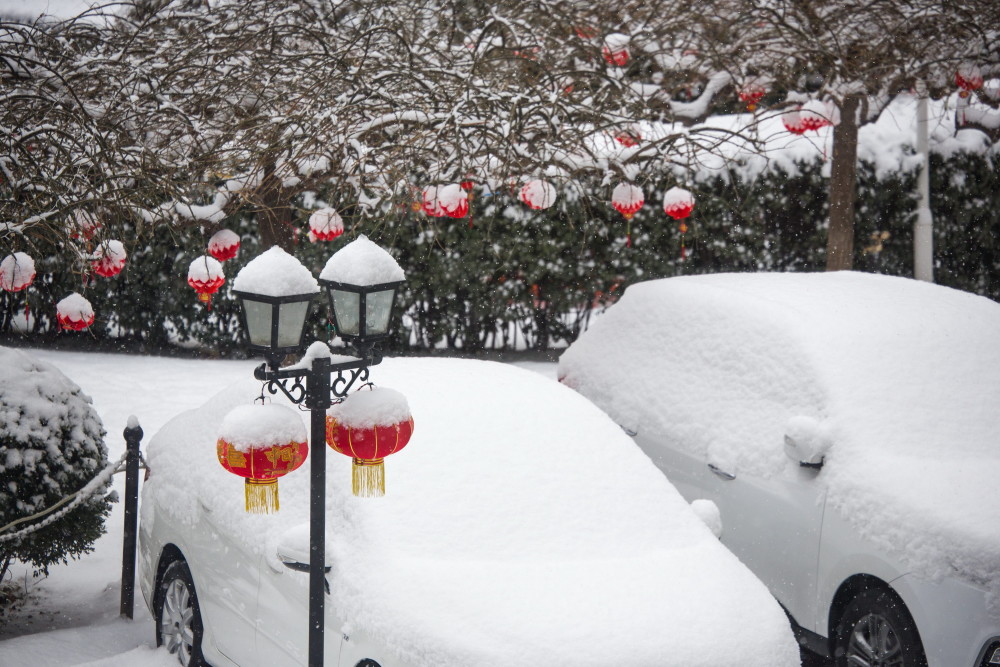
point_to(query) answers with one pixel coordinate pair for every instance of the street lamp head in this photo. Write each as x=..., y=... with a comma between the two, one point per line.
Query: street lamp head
x=361, y=282
x=275, y=290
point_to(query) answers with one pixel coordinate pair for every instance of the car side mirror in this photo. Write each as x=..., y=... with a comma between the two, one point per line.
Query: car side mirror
x=806, y=442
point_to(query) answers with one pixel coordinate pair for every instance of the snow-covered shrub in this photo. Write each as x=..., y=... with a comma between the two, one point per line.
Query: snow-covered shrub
x=51, y=445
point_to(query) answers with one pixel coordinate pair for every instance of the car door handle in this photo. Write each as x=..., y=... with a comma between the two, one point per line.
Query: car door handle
x=728, y=476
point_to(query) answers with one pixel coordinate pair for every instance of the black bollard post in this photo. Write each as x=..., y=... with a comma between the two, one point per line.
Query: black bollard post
x=133, y=436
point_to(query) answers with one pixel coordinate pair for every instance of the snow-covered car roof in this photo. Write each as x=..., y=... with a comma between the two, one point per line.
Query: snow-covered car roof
x=901, y=377
x=520, y=526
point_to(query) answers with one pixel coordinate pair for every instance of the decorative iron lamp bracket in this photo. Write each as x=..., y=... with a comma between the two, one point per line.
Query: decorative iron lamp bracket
x=289, y=381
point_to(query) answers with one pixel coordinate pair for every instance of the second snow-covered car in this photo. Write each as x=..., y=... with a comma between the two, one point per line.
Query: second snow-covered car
x=520, y=527
x=846, y=425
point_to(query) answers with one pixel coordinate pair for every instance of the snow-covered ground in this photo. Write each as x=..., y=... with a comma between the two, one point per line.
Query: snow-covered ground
x=71, y=617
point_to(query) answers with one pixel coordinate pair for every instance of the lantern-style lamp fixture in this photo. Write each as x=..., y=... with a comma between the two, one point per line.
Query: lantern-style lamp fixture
x=275, y=290
x=361, y=280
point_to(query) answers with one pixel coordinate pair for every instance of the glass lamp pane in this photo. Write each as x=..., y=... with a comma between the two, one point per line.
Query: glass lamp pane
x=291, y=322
x=378, y=307
x=346, y=307
x=258, y=322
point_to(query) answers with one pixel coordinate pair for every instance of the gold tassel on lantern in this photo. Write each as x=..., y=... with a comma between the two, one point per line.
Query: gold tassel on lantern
x=261, y=495
x=368, y=478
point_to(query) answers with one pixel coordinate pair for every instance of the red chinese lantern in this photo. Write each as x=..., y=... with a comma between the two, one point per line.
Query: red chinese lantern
x=205, y=276
x=538, y=195
x=224, y=244
x=751, y=94
x=968, y=78
x=17, y=272
x=84, y=225
x=467, y=185
x=814, y=115
x=261, y=443
x=615, y=49
x=792, y=121
x=678, y=203
x=628, y=139
x=627, y=199
x=325, y=224
x=74, y=313
x=109, y=259
x=368, y=426
x=445, y=200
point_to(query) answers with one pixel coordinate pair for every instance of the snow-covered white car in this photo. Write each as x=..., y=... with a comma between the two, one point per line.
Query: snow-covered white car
x=520, y=527
x=846, y=425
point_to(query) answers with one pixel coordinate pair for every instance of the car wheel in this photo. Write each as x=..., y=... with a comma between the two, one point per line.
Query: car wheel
x=876, y=630
x=178, y=617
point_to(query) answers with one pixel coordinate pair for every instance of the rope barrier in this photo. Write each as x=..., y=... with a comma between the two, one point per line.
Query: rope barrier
x=74, y=499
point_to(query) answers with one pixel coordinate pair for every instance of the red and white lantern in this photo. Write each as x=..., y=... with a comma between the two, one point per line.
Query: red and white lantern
x=17, y=272
x=792, y=121
x=751, y=93
x=205, y=276
x=814, y=115
x=84, y=225
x=224, y=245
x=261, y=443
x=446, y=200
x=325, y=224
x=368, y=426
x=538, y=195
x=109, y=259
x=628, y=139
x=74, y=313
x=968, y=78
x=615, y=49
x=678, y=203
x=627, y=199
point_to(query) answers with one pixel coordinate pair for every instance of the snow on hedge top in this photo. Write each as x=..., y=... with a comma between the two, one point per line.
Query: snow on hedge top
x=364, y=409
x=248, y=427
x=902, y=377
x=275, y=273
x=521, y=527
x=362, y=262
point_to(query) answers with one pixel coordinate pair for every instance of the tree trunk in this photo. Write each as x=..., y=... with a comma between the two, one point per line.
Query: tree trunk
x=274, y=213
x=843, y=188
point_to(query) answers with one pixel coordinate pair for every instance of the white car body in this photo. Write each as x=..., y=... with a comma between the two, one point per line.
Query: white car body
x=708, y=372
x=516, y=529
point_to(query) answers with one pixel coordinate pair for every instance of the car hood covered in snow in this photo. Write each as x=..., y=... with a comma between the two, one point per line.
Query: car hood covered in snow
x=520, y=526
x=902, y=378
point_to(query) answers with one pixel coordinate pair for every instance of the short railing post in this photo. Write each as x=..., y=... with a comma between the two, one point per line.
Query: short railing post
x=133, y=437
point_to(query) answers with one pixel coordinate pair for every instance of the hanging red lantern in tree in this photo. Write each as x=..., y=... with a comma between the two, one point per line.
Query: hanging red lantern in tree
x=678, y=203
x=793, y=121
x=17, y=272
x=109, y=259
x=84, y=225
x=538, y=195
x=627, y=199
x=467, y=185
x=224, y=244
x=325, y=224
x=751, y=93
x=814, y=115
x=261, y=443
x=968, y=78
x=445, y=200
x=74, y=313
x=205, y=276
x=368, y=426
x=615, y=49
x=628, y=139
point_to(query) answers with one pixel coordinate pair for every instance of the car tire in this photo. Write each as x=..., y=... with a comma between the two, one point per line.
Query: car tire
x=877, y=630
x=178, y=616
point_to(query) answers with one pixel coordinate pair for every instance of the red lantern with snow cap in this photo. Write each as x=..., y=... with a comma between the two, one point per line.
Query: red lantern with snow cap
x=792, y=120
x=261, y=443
x=751, y=93
x=84, y=225
x=325, y=224
x=678, y=203
x=17, y=272
x=968, y=78
x=615, y=49
x=224, y=244
x=627, y=199
x=74, y=313
x=109, y=259
x=368, y=426
x=538, y=195
x=446, y=200
x=205, y=276
x=814, y=115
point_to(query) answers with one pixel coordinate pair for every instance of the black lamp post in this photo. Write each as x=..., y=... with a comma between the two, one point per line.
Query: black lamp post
x=275, y=325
